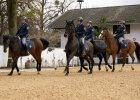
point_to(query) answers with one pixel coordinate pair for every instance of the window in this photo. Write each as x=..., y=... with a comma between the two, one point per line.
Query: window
x=127, y=29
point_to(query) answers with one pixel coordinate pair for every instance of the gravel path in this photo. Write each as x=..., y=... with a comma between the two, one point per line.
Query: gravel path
x=53, y=85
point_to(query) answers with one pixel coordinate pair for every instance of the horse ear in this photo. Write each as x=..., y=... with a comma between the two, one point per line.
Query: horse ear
x=72, y=21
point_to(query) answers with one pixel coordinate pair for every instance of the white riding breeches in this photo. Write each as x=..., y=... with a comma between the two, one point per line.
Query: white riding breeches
x=121, y=39
x=24, y=41
x=82, y=40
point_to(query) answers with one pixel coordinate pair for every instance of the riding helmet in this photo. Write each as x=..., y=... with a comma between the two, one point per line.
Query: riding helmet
x=90, y=22
x=122, y=22
x=80, y=19
x=23, y=18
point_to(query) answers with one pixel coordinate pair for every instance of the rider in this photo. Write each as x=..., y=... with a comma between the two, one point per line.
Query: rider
x=23, y=31
x=89, y=31
x=120, y=32
x=80, y=28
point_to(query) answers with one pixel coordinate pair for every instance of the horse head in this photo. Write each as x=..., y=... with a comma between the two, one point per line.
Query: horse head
x=104, y=33
x=6, y=42
x=69, y=28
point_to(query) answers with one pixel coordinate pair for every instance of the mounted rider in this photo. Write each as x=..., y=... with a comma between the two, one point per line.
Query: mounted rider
x=89, y=31
x=80, y=33
x=120, y=34
x=23, y=31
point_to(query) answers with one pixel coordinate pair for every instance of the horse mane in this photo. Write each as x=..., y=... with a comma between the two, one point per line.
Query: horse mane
x=10, y=37
x=108, y=32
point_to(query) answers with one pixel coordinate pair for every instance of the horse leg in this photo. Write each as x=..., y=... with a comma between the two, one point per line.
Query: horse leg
x=82, y=65
x=100, y=58
x=13, y=65
x=106, y=61
x=88, y=60
x=38, y=60
x=18, y=70
x=124, y=61
x=69, y=57
x=133, y=59
x=114, y=56
x=37, y=67
x=92, y=64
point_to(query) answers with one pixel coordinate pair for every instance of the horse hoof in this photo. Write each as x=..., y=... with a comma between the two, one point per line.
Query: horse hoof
x=89, y=72
x=99, y=69
x=79, y=71
x=106, y=70
x=112, y=71
x=10, y=74
x=133, y=69
x=110, y=67
x=19, y=73
x=38, y=73
x=66, y=74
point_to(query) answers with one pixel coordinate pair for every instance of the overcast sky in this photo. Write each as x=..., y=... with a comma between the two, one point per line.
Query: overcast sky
x=105, y=3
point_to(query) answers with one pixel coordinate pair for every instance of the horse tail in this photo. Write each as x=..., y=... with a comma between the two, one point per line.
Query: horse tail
x=137, y=51
x=45, y=43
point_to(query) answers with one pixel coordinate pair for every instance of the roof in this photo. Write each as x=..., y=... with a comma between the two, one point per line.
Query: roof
x=129, y=13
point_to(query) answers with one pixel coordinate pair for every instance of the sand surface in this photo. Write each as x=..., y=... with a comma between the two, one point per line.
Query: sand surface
x=53, y=85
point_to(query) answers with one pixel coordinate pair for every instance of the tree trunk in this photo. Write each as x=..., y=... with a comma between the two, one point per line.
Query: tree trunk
x=12, y=16
x=42, y=15
x=1, y=32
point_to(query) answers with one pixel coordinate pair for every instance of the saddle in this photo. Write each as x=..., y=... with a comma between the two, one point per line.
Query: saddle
x=23, y=47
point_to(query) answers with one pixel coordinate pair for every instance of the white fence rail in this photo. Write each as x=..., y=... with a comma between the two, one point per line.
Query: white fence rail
x=3, y=57
x=49, y=59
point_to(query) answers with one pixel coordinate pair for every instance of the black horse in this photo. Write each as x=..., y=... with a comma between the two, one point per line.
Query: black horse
x=137, y=50
x=72, y=47
x=100, y=52
x=15, y=51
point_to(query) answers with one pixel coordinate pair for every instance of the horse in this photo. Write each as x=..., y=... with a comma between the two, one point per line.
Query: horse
x=137, y=51
x=72, y=47
x=15, y=51
x=112, y=48
x=100, y=52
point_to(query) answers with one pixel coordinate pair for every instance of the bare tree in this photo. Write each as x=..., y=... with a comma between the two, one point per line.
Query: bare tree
x=3, y=13
x=48, y=11
x=12, y=16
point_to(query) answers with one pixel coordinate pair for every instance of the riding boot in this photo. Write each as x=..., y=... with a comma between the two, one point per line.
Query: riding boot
x=83, y=47
x=83, y=50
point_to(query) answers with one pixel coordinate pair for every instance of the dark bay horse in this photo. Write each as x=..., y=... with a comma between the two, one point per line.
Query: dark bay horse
x=15, y=51
x=112, y=48
x=100, y=52
x=72, y=48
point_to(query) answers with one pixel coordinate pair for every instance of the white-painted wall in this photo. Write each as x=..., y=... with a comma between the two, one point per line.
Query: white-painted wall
x=3, y=57
x=134, y=33
x=49, y=59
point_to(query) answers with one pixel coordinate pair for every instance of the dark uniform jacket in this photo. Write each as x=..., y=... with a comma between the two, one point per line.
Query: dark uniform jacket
x=89, y=33
x=23, y=30
x=80, y=30
x=120, y=31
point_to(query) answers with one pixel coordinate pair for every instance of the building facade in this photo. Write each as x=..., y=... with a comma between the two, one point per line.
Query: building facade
x=131, y=14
